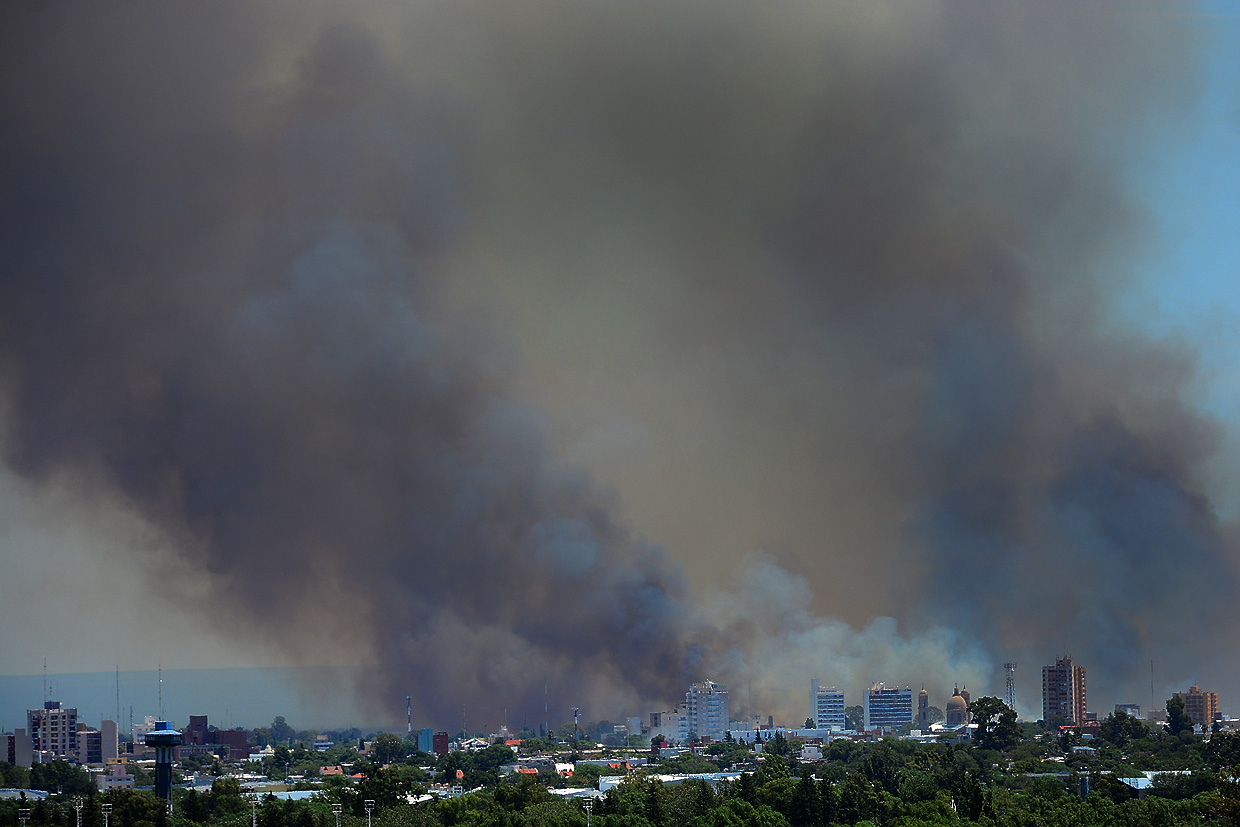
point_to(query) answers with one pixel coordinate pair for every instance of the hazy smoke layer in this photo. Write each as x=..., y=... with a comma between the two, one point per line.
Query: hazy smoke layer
x=320, y=295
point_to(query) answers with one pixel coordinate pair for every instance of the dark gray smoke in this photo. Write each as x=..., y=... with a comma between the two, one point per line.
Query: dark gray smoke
x=328, y=299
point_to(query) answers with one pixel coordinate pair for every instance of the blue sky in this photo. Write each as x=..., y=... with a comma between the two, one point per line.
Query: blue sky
x=1187, y=286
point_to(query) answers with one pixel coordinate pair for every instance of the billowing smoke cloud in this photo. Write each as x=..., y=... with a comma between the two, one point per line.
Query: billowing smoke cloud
x=330, y=300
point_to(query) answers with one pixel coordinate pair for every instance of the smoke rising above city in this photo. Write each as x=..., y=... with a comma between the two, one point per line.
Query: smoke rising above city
x=610, y=348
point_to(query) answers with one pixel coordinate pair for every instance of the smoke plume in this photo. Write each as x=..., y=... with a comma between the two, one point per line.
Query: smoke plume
x=492, y=342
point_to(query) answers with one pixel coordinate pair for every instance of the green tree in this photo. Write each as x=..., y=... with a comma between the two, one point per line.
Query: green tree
x=739, y=813
x=281, y=732
x=1177, y=719
x=388, y=748
x=1120, y=728
x=687, y=764
x=809, y=723
x=806, y=808
x=996, y=724
x=14, y=777
x=777, y=745
x=854, y=717
x=226, y=796
x=60, y=777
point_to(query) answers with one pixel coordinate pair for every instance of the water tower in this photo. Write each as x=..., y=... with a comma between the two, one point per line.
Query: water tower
x=165, y=740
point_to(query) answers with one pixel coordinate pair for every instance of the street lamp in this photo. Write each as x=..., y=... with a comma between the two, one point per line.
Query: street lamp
x=24, y=815
x=589, y=807
x=253, y=809
x=77, y=805
x=335, y=809
x=369, y=804
x=106, y=809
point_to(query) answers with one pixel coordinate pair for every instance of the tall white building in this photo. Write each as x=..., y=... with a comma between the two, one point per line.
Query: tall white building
x=891, y=708
x=706, y=710
x=826, y=706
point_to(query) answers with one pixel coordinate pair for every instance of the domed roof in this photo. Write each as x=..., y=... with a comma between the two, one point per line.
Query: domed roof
x=957, y=702
x=923, y=693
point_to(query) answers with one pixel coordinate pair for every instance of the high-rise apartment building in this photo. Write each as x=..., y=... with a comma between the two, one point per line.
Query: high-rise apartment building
x=1202, y=707
x=826, y=706
x=706, y=709
x=1063, y=690
x=889, y=708
x=53, y=729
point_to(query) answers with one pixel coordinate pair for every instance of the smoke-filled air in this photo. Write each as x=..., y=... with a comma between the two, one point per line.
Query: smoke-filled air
x=614, y=346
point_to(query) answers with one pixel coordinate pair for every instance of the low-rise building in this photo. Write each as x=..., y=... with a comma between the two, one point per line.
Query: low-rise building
x=116, y=778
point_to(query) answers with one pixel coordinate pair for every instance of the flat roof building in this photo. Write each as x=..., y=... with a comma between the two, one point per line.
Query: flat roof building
x=890, y=708
x=1202, y=707
x=1063, y=691
x=826, y=706
x=706, y=710
x=53, y=729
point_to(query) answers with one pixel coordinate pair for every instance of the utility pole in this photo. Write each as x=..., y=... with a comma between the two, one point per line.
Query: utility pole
x=369, y=805
x=576, y=712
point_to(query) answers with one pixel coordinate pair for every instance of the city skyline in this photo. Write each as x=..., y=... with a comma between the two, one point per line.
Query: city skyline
x=249, y=698
x=472, y=354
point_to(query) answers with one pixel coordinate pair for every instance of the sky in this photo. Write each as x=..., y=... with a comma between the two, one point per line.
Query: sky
x=612, y=348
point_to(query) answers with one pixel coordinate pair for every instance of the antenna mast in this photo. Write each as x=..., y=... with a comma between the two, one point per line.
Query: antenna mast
x=409, y=712
x=1010, y=668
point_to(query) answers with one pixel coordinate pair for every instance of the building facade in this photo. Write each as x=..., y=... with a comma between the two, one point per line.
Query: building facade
x=1063, y=690
x=890, y=708
x=1202, y=707
x=826, y=706
x=706, y=710
x=90, y=745
x=53, y=729
x=19, y=748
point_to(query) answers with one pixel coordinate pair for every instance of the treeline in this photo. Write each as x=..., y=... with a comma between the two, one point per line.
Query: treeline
x=893, y=784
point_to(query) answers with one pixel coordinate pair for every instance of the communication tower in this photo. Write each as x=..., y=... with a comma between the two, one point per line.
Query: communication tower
x=1010, y=668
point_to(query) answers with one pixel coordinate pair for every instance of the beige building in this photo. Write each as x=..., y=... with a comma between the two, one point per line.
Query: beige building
x=1202, y=707
x=53, y=729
